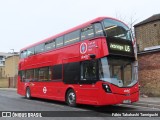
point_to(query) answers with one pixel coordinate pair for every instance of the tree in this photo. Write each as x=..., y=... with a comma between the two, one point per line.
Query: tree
x=130, y=21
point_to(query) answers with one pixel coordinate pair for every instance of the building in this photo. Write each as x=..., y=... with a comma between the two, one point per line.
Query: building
x=11, y=65
x=2, y=58
x=2, y=71
x=147, y=34
x=2, y=63
x=8, y=64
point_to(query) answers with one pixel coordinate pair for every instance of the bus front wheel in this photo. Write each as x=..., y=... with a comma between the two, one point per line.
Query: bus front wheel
x=71, y=98
x=28, y=93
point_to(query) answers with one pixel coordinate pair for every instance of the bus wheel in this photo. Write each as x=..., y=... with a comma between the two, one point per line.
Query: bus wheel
x=28, y=93
x=71, y=98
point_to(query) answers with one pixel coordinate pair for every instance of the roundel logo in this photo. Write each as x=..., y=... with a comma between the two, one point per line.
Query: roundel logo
x=44, y=90
x=83, y=48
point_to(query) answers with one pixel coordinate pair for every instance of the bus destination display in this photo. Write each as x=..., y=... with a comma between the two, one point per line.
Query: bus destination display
x=120, y=47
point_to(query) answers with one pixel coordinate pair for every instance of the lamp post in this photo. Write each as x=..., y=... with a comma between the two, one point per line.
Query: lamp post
x=12, y=50
x=13, y=62
x=1, y=73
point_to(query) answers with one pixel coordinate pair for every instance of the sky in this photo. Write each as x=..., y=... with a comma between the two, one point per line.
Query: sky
x=24, y=22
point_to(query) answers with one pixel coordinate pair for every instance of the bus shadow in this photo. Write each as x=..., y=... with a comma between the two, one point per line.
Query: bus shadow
x=47, y=101
x=107, y=109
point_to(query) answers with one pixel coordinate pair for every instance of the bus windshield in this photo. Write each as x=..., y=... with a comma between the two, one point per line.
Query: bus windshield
x=120, y=72
x=116, y=29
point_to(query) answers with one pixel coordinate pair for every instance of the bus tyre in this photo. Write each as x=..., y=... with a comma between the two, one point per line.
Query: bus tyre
x=71, y=98
x=28, y=93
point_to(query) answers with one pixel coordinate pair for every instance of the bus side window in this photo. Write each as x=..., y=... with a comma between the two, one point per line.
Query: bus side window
x=39, y=48
x=71, y=37
x=30, y=51
x=59, y=42
x=23, y=54
x=29, y=75
x=89, y=70
x=36, y=74
x=50, y=73
x=57, y=72
x=44, y=74
x=71, y=72
x=87, y=33
x=98, y=29
x=22, y=75
x=50, y=45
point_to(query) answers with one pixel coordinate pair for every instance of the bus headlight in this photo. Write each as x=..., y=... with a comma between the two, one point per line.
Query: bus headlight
x=106, y=88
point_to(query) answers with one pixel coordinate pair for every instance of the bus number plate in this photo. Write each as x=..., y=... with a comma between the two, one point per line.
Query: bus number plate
x=126, y=101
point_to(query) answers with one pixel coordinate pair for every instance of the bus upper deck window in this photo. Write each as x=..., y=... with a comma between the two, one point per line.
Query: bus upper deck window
x=87, y=33
x=98, y=29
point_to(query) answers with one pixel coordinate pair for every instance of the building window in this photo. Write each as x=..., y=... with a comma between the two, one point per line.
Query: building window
x=155, y=25
x=1, y=58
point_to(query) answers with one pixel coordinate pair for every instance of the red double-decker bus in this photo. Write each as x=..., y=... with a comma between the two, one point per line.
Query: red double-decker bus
x=93, y=63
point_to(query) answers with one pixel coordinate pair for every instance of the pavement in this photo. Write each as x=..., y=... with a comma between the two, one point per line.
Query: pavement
x=152, y=102
x=144, y=101
x=12, y=89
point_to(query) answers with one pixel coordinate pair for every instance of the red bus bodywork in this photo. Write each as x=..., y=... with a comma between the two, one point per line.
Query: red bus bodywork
x=92, y=94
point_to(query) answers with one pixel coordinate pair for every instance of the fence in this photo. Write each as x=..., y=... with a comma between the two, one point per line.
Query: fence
x=12, y=82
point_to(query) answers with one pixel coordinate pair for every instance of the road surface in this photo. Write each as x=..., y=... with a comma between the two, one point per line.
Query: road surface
x=11, y=101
